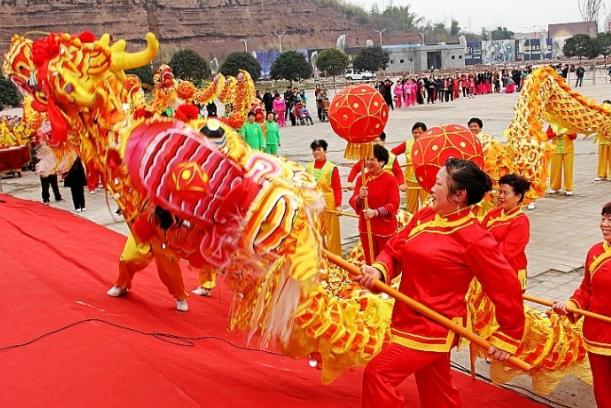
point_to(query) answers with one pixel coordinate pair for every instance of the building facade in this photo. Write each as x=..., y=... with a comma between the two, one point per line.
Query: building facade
x=413, y=58
x=560, y=32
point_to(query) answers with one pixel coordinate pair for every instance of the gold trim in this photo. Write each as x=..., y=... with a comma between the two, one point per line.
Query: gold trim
x=441, y=222
x=597, y=348
x=504, y=217
x=600, y=259
x=523, y=278
x=423, y=346
x=382, y=268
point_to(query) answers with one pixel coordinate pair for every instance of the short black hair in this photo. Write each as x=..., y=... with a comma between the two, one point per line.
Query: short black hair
x=519, y=184
x=465, y=175
x=381, y=154
x=420, y=125
x=319, y=143
x=606, y=209
x=476, y=120
x=382, y=136
x=251, y=113
x=164, y=218
x=608, y=101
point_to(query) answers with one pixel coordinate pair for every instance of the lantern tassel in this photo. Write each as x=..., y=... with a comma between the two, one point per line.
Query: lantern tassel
x=358, y=151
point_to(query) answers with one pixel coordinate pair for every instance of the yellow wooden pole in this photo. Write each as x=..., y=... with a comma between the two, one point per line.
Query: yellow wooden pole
x=344, y=213
x=422, y=309
x=367, y=221
x=570, y=308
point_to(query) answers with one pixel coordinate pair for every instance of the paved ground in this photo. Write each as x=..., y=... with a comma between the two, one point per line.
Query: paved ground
x=563, y=228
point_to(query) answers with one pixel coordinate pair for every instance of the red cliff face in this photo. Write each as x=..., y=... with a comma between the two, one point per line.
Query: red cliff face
x=213, y=28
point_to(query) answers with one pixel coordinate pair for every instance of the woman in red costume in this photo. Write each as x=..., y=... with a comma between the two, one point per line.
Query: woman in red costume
x=439, y=252
x=382, y=192
x=509, y=225
x=593, y=295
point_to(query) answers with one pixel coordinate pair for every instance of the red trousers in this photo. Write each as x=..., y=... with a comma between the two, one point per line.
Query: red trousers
x=394, y=364
x=378, y=245
x=601, y=372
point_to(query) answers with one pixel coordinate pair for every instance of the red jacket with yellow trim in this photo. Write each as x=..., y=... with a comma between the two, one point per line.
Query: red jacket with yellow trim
x=512, y=232
x=439, y=256
x=383, y=195
x=593, y=295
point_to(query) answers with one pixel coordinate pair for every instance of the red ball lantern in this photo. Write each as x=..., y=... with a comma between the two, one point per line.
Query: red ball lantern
x=437, y=145
x=358, y=114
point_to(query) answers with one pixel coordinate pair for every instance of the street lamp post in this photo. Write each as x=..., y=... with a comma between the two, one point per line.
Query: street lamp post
x=279, y=34
x=380, y=33
x=245, y=41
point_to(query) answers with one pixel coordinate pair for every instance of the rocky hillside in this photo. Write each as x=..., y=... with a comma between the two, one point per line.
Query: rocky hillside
x=211, y=27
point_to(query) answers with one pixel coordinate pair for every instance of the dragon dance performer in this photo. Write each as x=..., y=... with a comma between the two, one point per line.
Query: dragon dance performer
x=206, y=280
x=593, y=295
x=272, y=136
x=563, y=158
x=439, y=252
x=509, y=225
x=604, y=155
x=415, y=195
x=252, y=133
x=327, y=178
x=392, y=166
x=382, y=191
x=138, y=253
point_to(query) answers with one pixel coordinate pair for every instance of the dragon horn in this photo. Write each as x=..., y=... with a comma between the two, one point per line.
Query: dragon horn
x=122, y=60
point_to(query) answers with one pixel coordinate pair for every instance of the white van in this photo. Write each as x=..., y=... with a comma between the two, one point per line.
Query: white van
x=355, y=75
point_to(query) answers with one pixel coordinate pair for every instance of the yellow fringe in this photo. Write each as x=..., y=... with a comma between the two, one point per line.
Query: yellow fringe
x=358, y=151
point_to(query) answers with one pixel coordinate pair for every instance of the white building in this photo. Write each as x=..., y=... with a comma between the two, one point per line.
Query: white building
x=412, y=58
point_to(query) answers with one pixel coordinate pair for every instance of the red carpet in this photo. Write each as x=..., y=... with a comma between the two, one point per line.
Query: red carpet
x=55, y=269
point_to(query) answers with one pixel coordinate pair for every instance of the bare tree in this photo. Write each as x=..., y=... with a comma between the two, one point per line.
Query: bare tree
x=589, y=10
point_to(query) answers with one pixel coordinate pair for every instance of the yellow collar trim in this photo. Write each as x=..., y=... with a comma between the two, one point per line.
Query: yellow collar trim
x=600, y=259
x=506, y=216
x=443, y=222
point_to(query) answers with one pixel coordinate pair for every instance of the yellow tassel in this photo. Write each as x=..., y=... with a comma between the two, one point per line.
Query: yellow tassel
x=358, y=151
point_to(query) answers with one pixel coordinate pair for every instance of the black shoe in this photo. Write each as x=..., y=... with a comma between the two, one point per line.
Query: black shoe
x=46, y=202
x=58, y=200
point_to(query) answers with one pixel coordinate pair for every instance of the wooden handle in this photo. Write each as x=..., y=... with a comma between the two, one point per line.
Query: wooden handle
x=570, y=308
x=343, y=213
x=420, y=308
x=367, y=221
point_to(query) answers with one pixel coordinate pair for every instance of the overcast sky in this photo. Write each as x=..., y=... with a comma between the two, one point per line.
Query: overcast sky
x=516, y=15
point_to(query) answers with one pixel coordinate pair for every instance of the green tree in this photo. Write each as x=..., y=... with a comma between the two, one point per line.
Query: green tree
x=371, y=59
x=501, y=33
x=580, y=45
x=241, y=60
x=332, y=61
x=454, y=28
x=145, y=74
x=292, y=66
x=9, y=94
x=568, y=49
x=604, y=42
x=401, y=18
x=594, y=50
x=189, y=65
